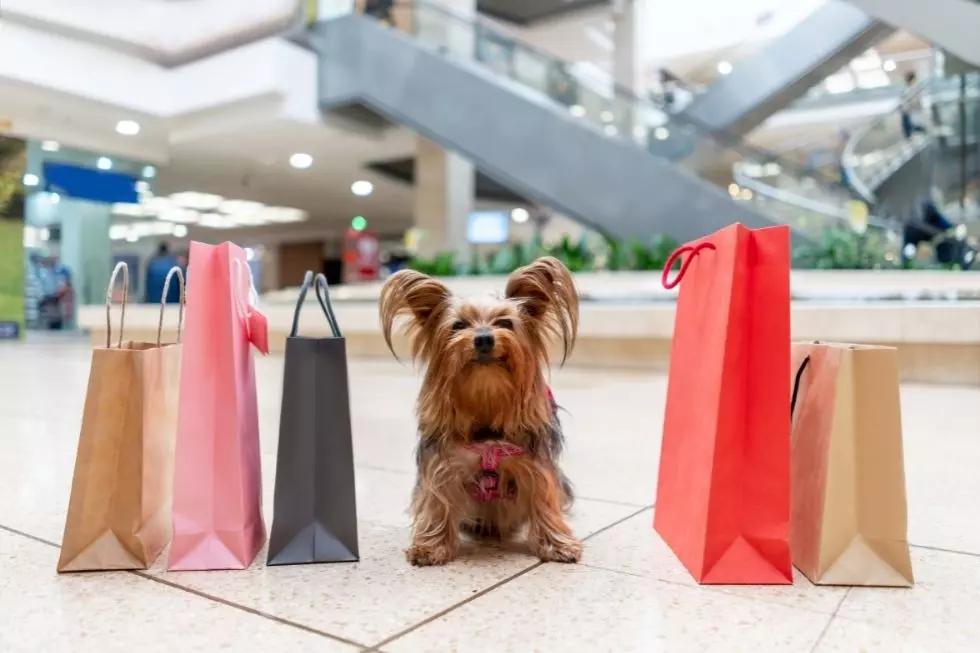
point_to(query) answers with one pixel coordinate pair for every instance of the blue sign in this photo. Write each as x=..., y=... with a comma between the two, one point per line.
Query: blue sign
x=9, y=331
x=90, y=184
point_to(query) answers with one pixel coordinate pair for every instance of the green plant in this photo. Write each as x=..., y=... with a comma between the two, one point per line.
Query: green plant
x=843, y=249
x=442, y=264
x=514, y=256
x=634, y=254
x=577, y=257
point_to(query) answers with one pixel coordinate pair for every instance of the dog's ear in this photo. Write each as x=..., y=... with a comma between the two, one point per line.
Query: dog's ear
x=416, y=295
x=548, y=299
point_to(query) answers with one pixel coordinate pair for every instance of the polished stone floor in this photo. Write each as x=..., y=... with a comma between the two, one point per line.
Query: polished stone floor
x=628, y=594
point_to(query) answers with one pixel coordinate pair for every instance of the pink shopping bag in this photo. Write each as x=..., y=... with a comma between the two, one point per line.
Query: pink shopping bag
x=217, y=502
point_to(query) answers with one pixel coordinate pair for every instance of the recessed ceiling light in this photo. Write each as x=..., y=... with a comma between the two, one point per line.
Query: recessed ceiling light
x=180, y=231
x=889, y=65
x=611, y=130
x=362, y=188
x=104, y=163
x=50, y=146
x=128, y=127
x=149, y=172
x=301, y=161
x=724, y=67
x=661, y=133
x=31, y=180
x=520, y=215
x=606, y=116
x=577, y=110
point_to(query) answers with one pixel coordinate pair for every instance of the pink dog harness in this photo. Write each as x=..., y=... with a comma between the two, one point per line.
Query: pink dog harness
x=487, y=486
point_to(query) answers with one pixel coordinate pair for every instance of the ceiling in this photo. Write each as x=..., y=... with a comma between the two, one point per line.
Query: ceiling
x=523, y=12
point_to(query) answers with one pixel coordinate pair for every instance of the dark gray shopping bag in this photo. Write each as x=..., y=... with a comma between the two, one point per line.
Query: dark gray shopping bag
x=315, y=518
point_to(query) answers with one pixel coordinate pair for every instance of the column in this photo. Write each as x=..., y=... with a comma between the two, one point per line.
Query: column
x=444, y=189
x=627, y=18
x=445, y=182
x=86, y=249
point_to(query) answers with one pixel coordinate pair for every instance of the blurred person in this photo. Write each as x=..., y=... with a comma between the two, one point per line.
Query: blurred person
x=911, y=108
x=156, y=273
x=562, y=86
x=381, y=10
x=933, y=228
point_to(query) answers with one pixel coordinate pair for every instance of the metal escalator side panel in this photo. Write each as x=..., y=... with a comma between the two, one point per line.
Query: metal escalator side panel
x=782, y=72
x=523, y=142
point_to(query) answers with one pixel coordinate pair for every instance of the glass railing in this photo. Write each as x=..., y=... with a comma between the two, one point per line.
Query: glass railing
x=883, y=146
x=808, y=200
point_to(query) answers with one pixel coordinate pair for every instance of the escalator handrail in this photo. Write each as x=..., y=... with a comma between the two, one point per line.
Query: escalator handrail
x=829, y=210
x=722, y=137
x=848, y=156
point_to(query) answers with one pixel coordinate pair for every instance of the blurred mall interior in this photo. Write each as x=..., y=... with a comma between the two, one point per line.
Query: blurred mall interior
x=464, y=139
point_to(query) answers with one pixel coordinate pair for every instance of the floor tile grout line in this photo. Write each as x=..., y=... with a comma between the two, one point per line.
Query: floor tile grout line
x=40, y=540
x=717, y=589
x=495, y=586
x=244, y=608
x=445, y=611
x=216, y=599
x=826, y=627
x=940, y=549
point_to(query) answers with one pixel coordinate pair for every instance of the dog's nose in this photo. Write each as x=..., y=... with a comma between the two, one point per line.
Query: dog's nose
x=483, y=341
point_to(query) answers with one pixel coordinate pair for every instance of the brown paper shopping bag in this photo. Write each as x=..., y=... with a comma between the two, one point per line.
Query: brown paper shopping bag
x=849, y=523
x=119, y=511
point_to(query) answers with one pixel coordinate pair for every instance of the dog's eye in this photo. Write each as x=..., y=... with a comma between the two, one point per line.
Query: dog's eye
x=504, y=324
x=459, y=325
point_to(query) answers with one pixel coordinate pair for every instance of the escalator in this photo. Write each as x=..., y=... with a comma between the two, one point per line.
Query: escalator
x=903, y=175
x=782, y=72
x=605, y=159
x=950, y=24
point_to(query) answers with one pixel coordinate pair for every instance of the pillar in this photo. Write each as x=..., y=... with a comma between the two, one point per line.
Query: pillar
x=444, y=189
x=86, y=249
x=445, y=182
x=627, y=20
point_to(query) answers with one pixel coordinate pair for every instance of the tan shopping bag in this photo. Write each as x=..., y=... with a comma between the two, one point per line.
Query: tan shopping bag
x=119, y=511
x=849, y=522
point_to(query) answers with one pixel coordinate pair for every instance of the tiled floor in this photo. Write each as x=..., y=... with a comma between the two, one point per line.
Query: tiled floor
x=629, y=593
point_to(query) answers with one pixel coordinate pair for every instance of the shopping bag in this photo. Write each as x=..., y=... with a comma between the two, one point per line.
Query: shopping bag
x=217, y=508
x=849, y=523
x=315, y=518
x=119, y=510
x=723, y=491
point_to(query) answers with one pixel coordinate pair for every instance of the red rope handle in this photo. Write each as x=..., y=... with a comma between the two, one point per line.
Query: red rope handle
x=676, y=255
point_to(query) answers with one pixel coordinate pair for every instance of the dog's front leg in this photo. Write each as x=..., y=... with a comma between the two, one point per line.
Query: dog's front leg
x=549, y=535
x=435, y=523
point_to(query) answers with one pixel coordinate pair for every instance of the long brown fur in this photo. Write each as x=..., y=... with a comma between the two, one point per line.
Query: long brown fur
x=463, y=398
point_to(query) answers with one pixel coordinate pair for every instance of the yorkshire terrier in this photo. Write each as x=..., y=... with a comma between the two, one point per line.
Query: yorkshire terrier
x=489, y=435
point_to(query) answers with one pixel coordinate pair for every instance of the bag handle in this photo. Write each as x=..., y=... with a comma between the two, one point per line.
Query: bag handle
x=322, y=291
x=253, y=296
x=680, y=251
x=163, y=302
x=321, y=286
x=121, y=265
x=796, y=385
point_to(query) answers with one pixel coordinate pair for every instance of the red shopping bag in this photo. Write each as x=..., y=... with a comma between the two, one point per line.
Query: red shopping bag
x=723, y=500
x=217, y=503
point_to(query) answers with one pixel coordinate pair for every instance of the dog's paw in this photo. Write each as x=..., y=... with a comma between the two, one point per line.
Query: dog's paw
x=429, y=556
x=558, y=549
